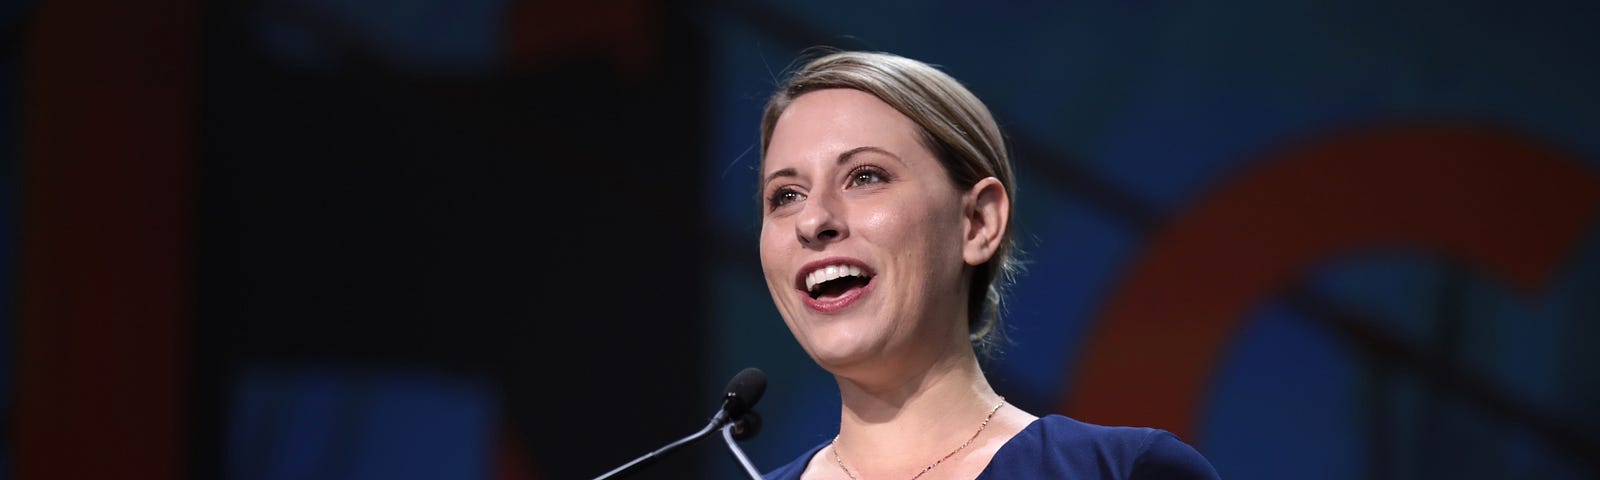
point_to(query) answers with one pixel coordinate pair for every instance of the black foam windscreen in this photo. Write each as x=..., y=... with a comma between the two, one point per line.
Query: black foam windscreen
x=744, y=390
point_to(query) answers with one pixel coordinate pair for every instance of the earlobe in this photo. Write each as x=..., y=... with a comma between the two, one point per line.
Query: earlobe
x=988, y=211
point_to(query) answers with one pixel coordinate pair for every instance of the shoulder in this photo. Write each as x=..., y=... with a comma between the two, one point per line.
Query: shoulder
x=1064, y=447
x=1166, y=456
x=793, y=469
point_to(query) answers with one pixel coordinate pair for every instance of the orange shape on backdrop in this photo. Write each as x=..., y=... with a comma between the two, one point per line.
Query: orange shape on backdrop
x=1487, y=198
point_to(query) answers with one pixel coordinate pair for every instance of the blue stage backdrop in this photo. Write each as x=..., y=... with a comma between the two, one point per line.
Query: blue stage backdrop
x=516, y=239
x=1319, y=240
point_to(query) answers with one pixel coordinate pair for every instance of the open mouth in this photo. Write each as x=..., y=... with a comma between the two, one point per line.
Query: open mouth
x=834, y=281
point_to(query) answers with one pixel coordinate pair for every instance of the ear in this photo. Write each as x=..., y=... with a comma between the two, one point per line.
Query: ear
x=987, y=209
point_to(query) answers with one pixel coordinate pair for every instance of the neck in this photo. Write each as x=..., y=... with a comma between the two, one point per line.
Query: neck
x=893, y=427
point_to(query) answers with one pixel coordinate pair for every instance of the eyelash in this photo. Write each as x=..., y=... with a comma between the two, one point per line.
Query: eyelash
x=785, y=195
x=881, y=175
x=777, y=199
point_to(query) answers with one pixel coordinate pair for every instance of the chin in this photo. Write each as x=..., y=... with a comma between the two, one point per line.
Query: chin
x=837, y=353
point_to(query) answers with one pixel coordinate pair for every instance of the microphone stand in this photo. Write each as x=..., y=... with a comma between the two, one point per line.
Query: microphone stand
x=734, y=418
x=733, y=448
x=651, y=457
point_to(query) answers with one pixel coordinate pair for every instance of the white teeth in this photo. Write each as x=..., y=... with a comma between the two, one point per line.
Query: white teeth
x=831, y=272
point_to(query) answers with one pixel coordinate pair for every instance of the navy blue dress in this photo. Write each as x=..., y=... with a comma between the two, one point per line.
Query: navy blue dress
x=1055, y=446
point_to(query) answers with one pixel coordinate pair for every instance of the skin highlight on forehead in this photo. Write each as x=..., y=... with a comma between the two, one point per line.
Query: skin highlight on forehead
x=866, y=124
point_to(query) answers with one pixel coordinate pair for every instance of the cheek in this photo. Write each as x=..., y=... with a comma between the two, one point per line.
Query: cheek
x=890, y=228
x=771, y=253
x=913, y=228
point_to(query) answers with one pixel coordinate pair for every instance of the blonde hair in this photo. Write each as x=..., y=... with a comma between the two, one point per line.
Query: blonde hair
x=954, y=125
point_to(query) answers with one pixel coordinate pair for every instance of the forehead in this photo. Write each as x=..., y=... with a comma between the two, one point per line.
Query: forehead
x=823, y=123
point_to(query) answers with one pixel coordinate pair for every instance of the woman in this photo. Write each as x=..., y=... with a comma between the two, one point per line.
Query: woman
x=885, y=243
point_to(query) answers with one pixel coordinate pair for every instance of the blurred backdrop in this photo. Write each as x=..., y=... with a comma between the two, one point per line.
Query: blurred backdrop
x=516, y=239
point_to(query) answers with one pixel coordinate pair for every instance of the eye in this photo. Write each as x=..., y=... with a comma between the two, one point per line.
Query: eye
x=867, y=175
x=783, y=196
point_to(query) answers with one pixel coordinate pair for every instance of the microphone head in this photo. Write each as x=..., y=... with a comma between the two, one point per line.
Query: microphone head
x=744, y=390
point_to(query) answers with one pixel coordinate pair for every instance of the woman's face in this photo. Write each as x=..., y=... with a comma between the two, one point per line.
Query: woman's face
x=861, y=238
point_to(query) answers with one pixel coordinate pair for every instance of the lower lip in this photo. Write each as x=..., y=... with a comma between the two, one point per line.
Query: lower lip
x=842, y=302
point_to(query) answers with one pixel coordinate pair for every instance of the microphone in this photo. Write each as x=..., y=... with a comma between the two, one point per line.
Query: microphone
x=734, y=418
x=742, y=392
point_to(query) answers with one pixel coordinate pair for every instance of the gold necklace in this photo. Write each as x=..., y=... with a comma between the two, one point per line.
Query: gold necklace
x=852, y=475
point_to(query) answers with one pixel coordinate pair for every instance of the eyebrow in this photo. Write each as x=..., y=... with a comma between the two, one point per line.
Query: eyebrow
x=843, y=157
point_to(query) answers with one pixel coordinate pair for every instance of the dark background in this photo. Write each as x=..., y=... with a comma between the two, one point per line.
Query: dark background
x=515, y=239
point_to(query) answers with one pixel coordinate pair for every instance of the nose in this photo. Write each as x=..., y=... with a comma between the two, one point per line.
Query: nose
x=820, y=222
